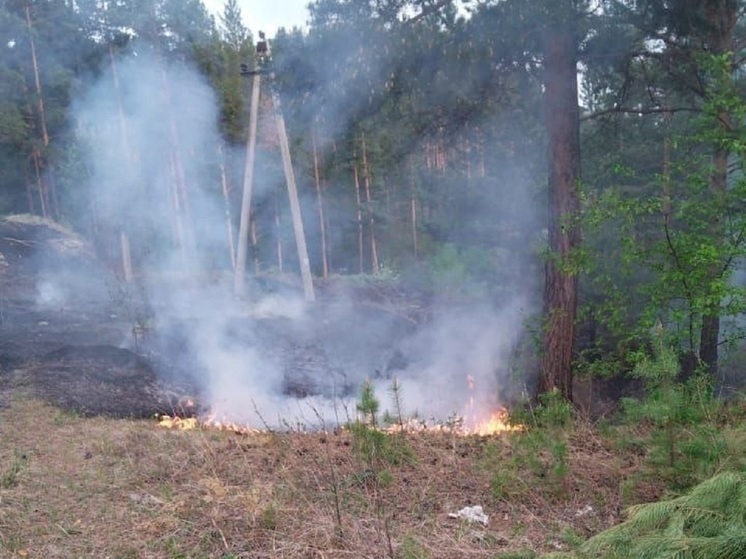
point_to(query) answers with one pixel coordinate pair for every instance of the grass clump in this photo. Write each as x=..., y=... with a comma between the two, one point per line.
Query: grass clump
x=9, y=477
x=411, y=548
x=540, y=449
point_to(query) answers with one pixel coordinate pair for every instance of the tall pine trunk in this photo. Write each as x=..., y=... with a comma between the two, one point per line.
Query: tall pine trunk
x=563, y=131
x=320, y=207
x=359, y=216
x=721, y=19
x=227, y=206
x=374, y=264
x=413, y=208
x=44, y=186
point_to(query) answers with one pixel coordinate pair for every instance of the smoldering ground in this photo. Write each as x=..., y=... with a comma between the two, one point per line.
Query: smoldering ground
x=150, y=141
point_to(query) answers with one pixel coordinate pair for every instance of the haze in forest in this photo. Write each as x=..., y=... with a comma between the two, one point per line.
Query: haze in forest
x=437, y=157
x=160, y=115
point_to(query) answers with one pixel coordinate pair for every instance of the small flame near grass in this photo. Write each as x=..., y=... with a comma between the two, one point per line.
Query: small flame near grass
x=208, y=421
x=472, y=423
x=496, y=424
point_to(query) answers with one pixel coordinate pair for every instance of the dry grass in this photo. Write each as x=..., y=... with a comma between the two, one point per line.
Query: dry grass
x=73, y=487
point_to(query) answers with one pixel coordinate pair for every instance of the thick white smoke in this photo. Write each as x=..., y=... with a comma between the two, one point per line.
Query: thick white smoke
x=153, y=131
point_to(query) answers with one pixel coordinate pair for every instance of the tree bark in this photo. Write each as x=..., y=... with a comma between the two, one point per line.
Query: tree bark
x=721, y=18
x=131, y=157
x=413, y=208
x=563, y=131
x=710, y=333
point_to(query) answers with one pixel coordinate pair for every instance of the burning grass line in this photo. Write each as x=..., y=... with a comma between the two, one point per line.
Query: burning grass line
x=287, y=471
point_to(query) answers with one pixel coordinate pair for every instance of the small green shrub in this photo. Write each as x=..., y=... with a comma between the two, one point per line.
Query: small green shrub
x=684, y=443
x=373, y=446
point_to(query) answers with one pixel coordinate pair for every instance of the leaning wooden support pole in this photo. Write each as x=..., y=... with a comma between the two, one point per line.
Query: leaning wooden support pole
x=239, y=284
x=124, y=242
x=300, y=236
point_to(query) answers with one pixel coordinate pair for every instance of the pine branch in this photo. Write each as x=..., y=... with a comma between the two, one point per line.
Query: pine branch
x=639, y=111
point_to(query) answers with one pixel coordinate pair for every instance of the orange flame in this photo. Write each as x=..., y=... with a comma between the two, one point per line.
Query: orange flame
x=497, y=423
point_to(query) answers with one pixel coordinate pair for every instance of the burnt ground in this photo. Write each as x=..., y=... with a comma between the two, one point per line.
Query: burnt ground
x=74, y=335
x=89, y=343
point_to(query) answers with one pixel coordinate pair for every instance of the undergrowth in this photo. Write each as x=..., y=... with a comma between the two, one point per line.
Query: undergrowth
x=538, y=454
x=678, y=425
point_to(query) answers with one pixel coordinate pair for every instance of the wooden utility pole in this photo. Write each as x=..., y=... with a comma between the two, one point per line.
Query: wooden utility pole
x=239, y=284
x=243, y=235
x=44, y=194
x=300, y=236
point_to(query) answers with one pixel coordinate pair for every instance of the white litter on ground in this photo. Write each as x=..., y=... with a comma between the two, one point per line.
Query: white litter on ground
x=472, y=514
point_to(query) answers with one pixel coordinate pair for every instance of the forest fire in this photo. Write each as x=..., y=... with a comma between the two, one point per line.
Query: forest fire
x=474, y=421
x=211, y=420
x=498, y=422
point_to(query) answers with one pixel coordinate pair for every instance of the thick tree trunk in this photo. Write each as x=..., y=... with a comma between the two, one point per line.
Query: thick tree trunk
x=709, y=338
x=721, y=17
x=560, y=291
